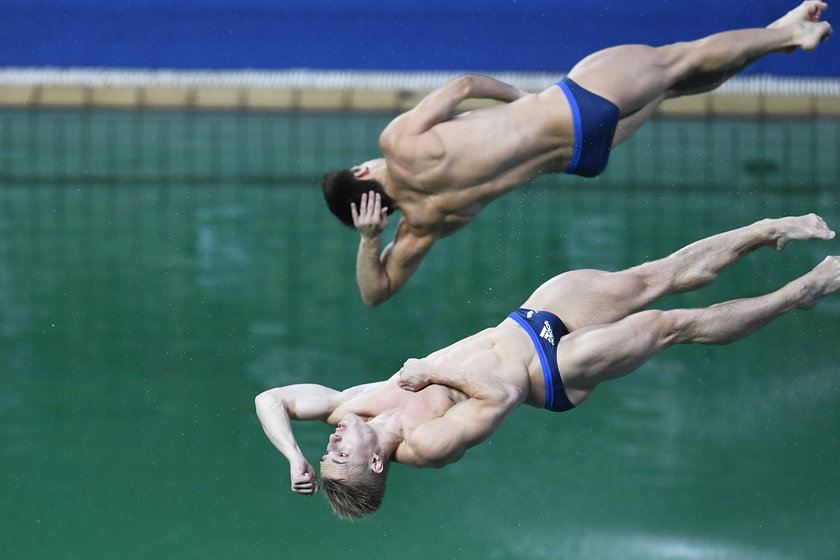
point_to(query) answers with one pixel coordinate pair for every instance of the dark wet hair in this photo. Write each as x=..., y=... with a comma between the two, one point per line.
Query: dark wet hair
x=342, y=187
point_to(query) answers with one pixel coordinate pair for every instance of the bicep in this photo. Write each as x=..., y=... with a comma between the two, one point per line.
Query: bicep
x=463, y=426
x=304, y=401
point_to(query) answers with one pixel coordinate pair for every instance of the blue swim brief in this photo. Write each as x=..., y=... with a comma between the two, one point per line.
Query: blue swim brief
x=595, y=121
x=545, y=330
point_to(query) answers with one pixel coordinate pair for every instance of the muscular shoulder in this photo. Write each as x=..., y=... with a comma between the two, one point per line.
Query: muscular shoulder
x=401, y=141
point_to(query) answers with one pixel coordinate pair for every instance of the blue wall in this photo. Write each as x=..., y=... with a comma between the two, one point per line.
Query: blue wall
x=523, y=35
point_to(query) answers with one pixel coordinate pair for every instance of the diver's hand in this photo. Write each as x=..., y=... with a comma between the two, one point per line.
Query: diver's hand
x=414, y=375
x=304, y=480
x=370, y=219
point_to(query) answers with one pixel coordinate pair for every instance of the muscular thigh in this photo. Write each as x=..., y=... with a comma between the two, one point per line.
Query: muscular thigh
x=590, y=356
x=583, y=298
x=631, y=76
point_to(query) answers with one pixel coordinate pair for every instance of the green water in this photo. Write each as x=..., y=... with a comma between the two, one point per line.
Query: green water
x=139, y=318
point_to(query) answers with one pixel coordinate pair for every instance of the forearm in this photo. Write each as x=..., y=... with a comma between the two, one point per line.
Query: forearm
x=475, y=384
x=373, y=281
x=276, y=421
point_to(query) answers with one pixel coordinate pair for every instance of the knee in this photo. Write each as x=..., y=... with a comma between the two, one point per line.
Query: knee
x=652, y=279
x=666, y=327
x=678, y=326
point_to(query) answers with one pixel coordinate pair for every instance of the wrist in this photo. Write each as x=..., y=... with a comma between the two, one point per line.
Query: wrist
x=370, y=237
x=296, y=457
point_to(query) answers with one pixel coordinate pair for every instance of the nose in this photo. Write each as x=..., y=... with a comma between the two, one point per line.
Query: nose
x=335, y=437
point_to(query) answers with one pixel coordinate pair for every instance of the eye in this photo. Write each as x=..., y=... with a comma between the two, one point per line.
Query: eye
x=340, y=454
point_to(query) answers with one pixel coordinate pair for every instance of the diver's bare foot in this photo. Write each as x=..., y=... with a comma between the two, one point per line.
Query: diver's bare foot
x=808, y=35
x=808, y=30
x=796, y=228
x=821, y=281
x=811, y=10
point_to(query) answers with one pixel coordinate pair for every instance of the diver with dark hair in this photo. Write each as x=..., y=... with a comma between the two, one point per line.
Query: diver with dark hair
x=441, y=171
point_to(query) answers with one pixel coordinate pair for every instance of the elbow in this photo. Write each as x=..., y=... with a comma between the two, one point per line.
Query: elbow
x=505, y=395
x=514, y=396
x=373, y=298
x=467, y=83
x=266, y=399
x=373, y=302
x=260, y=401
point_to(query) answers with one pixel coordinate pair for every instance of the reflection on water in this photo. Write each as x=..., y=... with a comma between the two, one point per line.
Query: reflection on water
x=617, y=545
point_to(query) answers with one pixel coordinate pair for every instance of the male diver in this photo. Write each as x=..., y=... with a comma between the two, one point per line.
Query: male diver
x=577, y=330
x=440, y=172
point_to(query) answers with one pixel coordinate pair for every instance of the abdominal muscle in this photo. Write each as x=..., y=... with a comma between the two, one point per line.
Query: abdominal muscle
x=505, y=351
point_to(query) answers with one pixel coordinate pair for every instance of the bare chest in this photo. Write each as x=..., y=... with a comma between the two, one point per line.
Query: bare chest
x=411, y=408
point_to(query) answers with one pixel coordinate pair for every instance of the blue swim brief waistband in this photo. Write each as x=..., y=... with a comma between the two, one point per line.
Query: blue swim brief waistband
x=595, y=121
x=545, y=330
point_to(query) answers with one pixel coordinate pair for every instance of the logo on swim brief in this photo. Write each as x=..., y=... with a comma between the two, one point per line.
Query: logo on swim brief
x=529, y=314
x=547, y=333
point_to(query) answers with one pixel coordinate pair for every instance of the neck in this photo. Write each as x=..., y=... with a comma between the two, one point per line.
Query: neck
x=388, y=434
x=387, y=182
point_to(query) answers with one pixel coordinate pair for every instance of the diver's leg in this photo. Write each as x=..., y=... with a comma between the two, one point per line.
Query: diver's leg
x=633, y=76
x=593, y=355
x=592, y=297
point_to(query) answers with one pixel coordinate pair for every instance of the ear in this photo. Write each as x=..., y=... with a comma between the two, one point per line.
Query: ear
x=376, y=464
x=361, y=171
